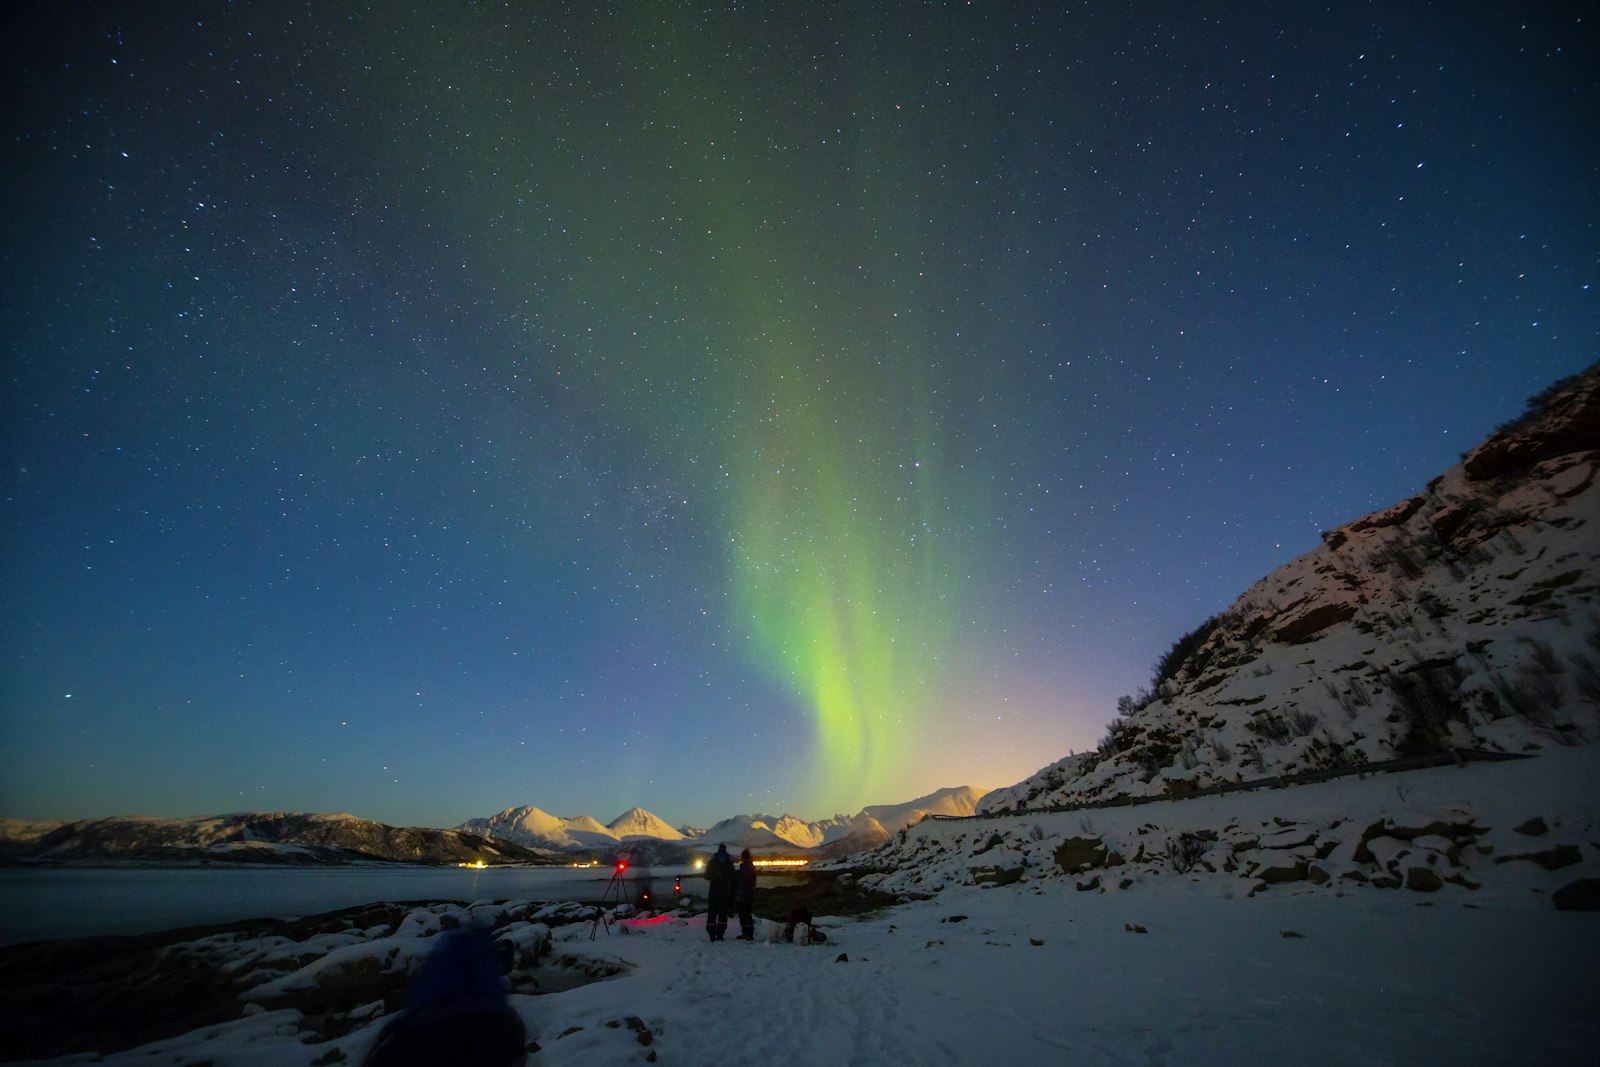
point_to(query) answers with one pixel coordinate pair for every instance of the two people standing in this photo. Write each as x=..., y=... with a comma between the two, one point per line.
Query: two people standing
x=729, y=890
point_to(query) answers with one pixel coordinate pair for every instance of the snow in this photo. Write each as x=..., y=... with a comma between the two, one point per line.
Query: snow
x=1190, y=968
x=1214, y=980
x=537, y=828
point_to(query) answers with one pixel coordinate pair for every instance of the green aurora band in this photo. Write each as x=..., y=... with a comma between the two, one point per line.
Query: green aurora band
x=786, y=371
x=843, y=557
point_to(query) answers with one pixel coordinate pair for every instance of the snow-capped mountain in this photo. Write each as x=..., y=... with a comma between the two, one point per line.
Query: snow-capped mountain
x=1465, y=616
x=754, y=832
x=960, y=800
x=636, y=822
x=536, y=828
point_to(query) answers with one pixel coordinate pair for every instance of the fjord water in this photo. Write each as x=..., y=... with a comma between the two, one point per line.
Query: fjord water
x=39, y=904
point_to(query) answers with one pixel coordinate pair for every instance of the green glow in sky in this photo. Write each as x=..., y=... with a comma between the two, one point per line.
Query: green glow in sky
x=817, y=404
x=839, y=570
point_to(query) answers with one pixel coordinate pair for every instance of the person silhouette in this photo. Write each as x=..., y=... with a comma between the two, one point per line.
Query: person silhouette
x=719, y=892
x=456, y=1012
x=744, y=896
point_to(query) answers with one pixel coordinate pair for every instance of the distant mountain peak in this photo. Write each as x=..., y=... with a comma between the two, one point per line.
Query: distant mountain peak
x=636, y=822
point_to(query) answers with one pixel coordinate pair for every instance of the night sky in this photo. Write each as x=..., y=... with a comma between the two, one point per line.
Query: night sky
x=421, y=409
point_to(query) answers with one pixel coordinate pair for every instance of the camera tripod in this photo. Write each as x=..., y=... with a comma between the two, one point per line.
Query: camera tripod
x=615, y=886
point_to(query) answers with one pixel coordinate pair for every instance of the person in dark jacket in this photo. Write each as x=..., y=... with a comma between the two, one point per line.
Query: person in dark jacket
x=719, y=892
x=744, y=896
x=457, y=1011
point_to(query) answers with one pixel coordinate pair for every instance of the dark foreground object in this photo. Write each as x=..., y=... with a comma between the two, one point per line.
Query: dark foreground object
x=457, y=1014
x=106, y=994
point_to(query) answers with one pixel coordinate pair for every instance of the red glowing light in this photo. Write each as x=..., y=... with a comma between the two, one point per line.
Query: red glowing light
x=651, y=921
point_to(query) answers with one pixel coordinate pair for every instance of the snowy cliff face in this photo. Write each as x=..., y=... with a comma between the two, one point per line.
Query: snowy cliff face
x=1466, y=616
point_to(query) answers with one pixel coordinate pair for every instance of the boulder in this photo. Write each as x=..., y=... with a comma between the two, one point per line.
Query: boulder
x=1296, y=871
x=1423, y=880
x=996, y=875
x=1582, y=895
x=1551, y=859
x=1078, y=854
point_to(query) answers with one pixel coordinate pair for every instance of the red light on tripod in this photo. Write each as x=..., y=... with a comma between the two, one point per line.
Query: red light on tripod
x=622, y=865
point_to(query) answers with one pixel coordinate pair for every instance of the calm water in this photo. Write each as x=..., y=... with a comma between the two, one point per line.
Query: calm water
x=76, y=902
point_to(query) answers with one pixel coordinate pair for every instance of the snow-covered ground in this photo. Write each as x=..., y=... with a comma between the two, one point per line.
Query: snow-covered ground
x=1187, y=968
x=1049, y=975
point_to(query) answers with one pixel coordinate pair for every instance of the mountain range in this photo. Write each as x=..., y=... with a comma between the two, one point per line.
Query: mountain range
x=251, y=837
x=533, y=827
x=517, y=835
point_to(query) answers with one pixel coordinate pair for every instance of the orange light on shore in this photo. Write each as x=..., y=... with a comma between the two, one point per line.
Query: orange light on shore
x=781, y=863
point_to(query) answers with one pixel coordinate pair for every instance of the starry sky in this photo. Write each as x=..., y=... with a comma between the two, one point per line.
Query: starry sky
x=419, y=409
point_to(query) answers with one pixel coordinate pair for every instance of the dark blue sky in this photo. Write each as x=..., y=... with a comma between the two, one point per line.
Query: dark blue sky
x=417, y=412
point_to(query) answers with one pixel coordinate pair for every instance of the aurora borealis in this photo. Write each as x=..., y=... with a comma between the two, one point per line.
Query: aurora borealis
x=419, y=410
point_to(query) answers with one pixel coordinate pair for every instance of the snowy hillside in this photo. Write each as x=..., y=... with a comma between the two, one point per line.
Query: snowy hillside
x=1465, y=616
x=1513, y=826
